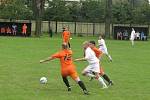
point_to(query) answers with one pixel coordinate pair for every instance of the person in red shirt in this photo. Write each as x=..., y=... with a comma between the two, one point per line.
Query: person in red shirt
x=66, y=36
x=99, y=54
x=24, y=30
x=67, y=67
x=8, y=30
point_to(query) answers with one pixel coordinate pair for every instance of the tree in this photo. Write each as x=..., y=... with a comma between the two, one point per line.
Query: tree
x=38, y=7
x=122, y=13
x=108, y=17
x=57, y=10
x=15, y=10
x=92, y=11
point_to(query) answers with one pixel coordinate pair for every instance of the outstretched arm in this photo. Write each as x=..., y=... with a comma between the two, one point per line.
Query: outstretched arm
x=80, y=59
x=45, y=60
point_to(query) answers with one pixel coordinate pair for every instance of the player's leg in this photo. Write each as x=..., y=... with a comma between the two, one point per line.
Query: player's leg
x=87, y=72
x=96, y=70
x=105, y=76
x=65, y=80
x=108, y=55
x=69, y=45
x=100, y=79
x=132, y=41
x=75, y=77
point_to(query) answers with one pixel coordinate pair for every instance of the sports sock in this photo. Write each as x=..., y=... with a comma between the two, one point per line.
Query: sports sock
x=69, y=45
x=81, y=84
x=106, y=78
x=109, y=57
x=102, y=82
x=66, y=81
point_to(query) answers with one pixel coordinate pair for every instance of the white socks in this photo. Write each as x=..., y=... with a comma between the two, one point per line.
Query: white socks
x=102, y=82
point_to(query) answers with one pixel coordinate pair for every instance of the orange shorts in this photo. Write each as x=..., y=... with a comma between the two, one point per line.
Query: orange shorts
x=69, y=72
x=101, y=71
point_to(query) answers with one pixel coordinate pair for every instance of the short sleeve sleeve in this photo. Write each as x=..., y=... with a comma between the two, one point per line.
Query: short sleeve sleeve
x=56, y=55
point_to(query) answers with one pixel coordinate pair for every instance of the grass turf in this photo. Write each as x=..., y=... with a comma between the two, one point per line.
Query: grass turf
x=20, y=70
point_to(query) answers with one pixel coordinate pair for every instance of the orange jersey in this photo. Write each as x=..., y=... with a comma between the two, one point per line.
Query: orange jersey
x=66, y=36
x=65, y=57
x=97, y=52
x=67, y=66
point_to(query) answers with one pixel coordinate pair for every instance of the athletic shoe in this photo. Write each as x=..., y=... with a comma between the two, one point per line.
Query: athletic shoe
x=69, y=89
x=110, y=60
x=110, y=83
x=104, y=87
x=85, y=92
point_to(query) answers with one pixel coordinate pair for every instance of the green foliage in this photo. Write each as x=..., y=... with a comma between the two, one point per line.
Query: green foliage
x=93, y=11
x=88, y=11
x=15, y=10
x=123, y=12
x=57, y=10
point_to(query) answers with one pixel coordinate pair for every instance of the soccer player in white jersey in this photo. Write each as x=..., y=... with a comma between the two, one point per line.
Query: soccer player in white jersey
x=103, y=48
x=132, y=37
x=93, y=66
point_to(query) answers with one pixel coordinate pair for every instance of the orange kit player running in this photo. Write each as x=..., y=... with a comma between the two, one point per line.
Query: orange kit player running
x=66, y=36
x=67, y=67
x=98, y=54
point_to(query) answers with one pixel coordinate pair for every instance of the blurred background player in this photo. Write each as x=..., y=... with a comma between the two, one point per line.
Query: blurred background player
x=14, y=29
x=98, y=54
x=66, y=36
x=93, y=66
x=103, y=48
x=67, y=67
x=8, y=31
x=132, y=36
x=24, y=30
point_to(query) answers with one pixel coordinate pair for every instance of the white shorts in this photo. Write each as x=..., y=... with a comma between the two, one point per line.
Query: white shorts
x=93, y=68
x=104, y=50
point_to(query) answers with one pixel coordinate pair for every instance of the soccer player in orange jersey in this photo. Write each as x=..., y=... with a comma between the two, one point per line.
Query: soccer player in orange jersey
x=66, y=36
x=98, y=54
x=67, y=67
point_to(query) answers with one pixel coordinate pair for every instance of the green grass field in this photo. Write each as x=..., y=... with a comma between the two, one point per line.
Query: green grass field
x=20, y=70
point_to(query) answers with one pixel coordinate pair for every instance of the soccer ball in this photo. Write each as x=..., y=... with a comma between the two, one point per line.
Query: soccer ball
x=43, y=80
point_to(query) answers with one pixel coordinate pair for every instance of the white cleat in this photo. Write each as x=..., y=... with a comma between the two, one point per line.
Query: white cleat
x=104, y=87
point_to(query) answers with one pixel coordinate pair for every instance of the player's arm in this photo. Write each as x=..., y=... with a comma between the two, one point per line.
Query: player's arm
x=45, y=60
x=56, y=55
x=80, y=59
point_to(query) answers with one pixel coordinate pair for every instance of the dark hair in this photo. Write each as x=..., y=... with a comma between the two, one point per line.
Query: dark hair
x=93, y=42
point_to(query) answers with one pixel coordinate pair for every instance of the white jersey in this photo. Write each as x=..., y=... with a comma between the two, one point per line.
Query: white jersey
x=90, y=56
x=132, y=35
x=102, y=46
x=101, y=43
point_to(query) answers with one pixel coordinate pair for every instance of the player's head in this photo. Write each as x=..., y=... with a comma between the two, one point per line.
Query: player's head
x=65, y=28
x=85, y=44
x=100, y=37
x=64, y=46
x=132, y=29
x=92, y=44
